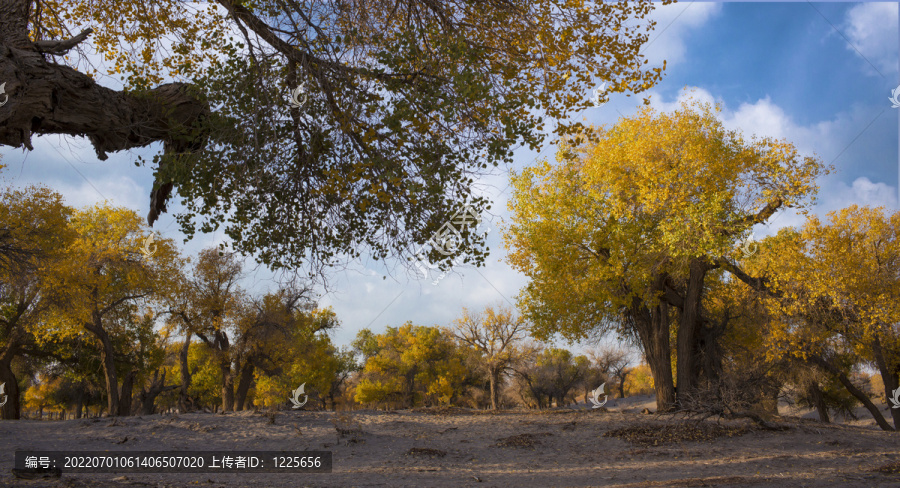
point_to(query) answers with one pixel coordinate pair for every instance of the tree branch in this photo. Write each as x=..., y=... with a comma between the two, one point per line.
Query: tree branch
x=758, y=284
x=750, y=220
x=60, y=47
x=862, y=397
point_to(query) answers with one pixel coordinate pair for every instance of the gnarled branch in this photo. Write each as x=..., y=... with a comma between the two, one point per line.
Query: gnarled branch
x=59, y=47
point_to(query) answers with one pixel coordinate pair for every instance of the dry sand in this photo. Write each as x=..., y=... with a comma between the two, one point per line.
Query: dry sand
x=461, y=448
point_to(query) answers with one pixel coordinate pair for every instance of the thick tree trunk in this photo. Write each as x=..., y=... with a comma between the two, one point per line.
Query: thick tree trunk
x=773, y=389
x=11, y=409
x=890, y=377
x=126, y=395
x=223, y=348
x=244, y=385
x=818, y=399
x=227, y=386
x=48, y=98
x=653, y=330
x=862, y=397
x=185, y=404
x=148, y=394
x=495, y=387
x=709, y=367
x=689, y=331
x=14, y=338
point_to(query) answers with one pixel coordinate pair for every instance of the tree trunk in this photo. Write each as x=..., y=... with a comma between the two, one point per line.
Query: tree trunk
x=689, y=331
x=818, y=399
x=890, y=378
x=223, y=348
x=148, y=394
x=652, y=327
x=410, y=388
x=622, y=384
x=244, y=385
x=185, y=404
x=79, y=404
x=709, y=352
x=227, y=386
x=126, y=395
x=107, y=359
x=862, y=397
x=49, y=98
x=11, y=409
x=494, y=373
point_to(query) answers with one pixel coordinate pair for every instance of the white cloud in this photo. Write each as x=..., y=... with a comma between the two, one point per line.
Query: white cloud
x=833, y=141
x=658, y=103
x=673, y=23
x=121, y=191
x=862, y=192
x=835, y=195
x=872, y=31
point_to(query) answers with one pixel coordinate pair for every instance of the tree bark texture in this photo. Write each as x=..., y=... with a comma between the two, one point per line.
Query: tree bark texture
x=652, y=326
x=49, y=98
x=689, y=331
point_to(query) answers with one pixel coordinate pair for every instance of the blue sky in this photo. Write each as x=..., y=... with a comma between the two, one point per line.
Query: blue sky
x=816, y=74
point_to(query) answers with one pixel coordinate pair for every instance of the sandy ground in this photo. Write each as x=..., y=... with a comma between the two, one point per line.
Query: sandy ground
x=554, y=448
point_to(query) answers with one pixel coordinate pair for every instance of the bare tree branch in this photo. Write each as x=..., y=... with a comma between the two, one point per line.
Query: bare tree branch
x=60, y=47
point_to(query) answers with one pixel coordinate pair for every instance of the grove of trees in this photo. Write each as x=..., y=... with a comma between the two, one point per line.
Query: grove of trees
x=92, y=323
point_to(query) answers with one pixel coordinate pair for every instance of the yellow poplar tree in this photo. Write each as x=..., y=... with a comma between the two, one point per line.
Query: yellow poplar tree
x=835, y=288
x=34, y=234
x=413, y=363
x=111, y=268
x=622, y=233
